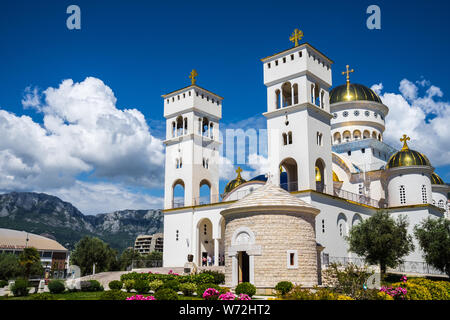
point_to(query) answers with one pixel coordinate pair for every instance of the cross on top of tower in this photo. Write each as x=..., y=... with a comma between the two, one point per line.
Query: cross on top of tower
x=238, y=171
x=348, y=74
x=404, y=139
x=296, y=36
x=192, y=76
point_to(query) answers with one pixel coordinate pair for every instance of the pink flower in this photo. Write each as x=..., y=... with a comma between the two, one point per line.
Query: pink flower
x=404, y=279
x=244, y=296
x=227, y=296
x=211, y=294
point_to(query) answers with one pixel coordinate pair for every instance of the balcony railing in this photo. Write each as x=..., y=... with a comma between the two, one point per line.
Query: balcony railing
x=291, y=186
x=416, y=267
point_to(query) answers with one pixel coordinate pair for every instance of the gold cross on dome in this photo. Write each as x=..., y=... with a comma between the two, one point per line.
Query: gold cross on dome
x=404, y=139
x=296, y=36
x=348, y=73
x=193, y=75
x=238, y=171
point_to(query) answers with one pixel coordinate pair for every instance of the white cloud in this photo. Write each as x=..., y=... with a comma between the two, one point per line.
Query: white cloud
x=424, y=117
x=83, y=132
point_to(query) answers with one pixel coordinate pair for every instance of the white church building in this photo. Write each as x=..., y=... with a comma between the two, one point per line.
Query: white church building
x=325, y=149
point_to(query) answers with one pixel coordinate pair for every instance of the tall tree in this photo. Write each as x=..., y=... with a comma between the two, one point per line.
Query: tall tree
x=381, y=240
x=10, y=267
x=127, y=257
x=434, y=240
x=91, y=250
x=30, y=260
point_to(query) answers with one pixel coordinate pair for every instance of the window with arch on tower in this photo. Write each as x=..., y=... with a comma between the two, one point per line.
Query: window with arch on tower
x=402, y=195
x=424, y=194
x=177, y=233
x=284, y=139
x=289, y=137
x=441, y=204
x=319, y=138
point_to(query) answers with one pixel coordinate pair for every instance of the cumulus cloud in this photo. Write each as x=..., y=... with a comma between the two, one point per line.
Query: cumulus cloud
x=419, y=111
x=83, y=132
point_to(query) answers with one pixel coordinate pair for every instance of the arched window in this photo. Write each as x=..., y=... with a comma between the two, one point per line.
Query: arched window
x=322, y=100
x=211, y=130
x=346, y=136
x=179, y=126
x=277, y=99
x=286, y=90
x=337, y=138
x=402, y=195
x=342, y=225
x=356, y=135
x=289, y=137
x=424, y=194
x=185, y=125
x=284, y=138
x=205, y=127
x=173, y=129
x=366, y=134
x=441, y=204
x=295, y=87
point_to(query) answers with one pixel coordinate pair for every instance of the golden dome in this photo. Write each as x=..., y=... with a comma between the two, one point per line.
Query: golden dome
x=235, y=182
x=335, y=177
x=407, y=157
x=354, y=92
x=435, y=179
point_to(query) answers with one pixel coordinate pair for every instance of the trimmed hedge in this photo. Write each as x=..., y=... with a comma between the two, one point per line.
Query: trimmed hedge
x=166, y=294
x=141, y=286
x=284, y=287
x=202, y=288
x=219, y=277
x=188, y=288
x=91, y=286
x=20, y=288
x=56, y=286
x=115, y=285
x=246, y=288
x=113, y=295
x=198, y=279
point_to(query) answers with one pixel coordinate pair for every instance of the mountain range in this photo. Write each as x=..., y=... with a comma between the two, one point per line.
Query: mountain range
x=40, y=213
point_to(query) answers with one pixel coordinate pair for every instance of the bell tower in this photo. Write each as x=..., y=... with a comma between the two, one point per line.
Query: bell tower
x=192, y=144
x=298, y=116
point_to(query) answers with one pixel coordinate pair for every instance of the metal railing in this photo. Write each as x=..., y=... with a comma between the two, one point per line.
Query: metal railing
x=140, y=264
x=417, y=267
x=290, y=186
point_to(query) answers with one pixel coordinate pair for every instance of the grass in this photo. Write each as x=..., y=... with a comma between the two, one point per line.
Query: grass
x=79, y=295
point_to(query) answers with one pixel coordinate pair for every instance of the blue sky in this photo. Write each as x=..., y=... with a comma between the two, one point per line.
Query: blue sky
x=143, y=49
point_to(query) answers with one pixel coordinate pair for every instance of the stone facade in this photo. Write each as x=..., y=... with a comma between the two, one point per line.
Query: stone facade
x=275, y=232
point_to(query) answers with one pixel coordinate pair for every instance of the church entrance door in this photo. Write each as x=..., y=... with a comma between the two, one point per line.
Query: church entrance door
x=243, y=270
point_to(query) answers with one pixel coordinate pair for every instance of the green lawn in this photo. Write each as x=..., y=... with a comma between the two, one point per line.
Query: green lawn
x=86, y=296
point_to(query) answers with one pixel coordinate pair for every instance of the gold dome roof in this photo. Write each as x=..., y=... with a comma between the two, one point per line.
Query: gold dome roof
x=407, y=157
x=435, y=179
x=353, y=92
x=235, y=182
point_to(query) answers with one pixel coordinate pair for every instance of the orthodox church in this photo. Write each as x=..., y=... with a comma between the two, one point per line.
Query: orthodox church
x=329, y=170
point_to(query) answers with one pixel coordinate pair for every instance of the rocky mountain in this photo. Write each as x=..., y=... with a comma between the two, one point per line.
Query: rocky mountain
x=41, y=213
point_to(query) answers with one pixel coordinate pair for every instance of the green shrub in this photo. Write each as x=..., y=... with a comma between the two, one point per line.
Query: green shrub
x=284, y=287
x=113, y=294
x=298, y=293
x=20, y=288
x=56, y=286
x=437, y=290
x=218, y=277
x=91, y=286
x=324, y=294
x=224, y=290
x=188, y=288
x=246, y=288
x=42, y=296
x=129, y=285
x=155, y=285
x=202, y=287
x=203, y=278
x=172, y=284
x=141, y=286
x=115, y=285
x=166, y=294
x=3, y=283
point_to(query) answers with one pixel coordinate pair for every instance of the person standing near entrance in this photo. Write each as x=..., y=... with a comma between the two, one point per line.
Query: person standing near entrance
x=209, y=260
x=204, y=261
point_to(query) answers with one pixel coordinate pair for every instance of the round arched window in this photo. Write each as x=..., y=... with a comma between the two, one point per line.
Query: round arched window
x=345, y=113
x=356, y=113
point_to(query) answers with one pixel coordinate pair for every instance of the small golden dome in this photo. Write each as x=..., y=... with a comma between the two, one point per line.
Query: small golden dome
x=354, y=92
x=235, y=182
x=435, y=179
x=407, y=157
x=335, y=177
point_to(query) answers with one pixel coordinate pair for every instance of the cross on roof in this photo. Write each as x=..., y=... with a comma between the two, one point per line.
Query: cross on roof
x=404, y=139
x=193, y=75
x=348, y=73
x=238, y=171
x=296, y=36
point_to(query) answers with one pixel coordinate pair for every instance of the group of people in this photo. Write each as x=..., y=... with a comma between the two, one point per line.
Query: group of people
x=209, y=261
